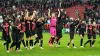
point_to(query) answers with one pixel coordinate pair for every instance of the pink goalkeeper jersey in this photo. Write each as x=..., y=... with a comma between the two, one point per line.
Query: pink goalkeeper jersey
x=53, y=22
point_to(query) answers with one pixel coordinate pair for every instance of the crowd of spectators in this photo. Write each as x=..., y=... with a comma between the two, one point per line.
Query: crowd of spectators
x=12, y=8
x=93, y=13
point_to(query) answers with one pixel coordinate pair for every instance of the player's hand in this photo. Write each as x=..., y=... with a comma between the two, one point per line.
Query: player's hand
x=77, y=18
x=26, y=10
x=23, y=22
x=48, y=9
x=98, y=32
x=58, y=9
x=85, y=32
x=42, y=18
x=34, y=11
x=21, y=31
x=65, y=12
x=36, y=35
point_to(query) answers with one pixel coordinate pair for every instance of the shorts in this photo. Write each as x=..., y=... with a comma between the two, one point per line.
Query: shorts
x=33, y=33
x=40, y=36
x=59, y=33
x=94, y=36
x=71, y=35
x=89, y=36
x=16, y=37
x=39, y=33
x=6, y=38
x=28, y=33
x=21, y=35
x=81, y=34
x=53, y=31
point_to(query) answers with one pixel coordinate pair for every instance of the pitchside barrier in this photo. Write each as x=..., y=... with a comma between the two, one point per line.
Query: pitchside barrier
x=66, y=27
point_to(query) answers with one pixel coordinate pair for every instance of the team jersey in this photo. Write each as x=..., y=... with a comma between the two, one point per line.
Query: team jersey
x=18, y=28
x=72, y=26
x=53, y=22
x=39, y=26
x=89, y=30
x=22, y=26
x=6, y=28
x=27, y=25
x=81, y=27
x=60, y=22
x=33, y=25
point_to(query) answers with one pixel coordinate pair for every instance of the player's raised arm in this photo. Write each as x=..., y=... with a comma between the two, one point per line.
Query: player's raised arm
x=33, y=15
x=49, y=13
x=26, y=14
x=59, y=13
x=44, y=20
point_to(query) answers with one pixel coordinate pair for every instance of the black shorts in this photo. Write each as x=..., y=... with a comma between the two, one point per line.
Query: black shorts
x=40, y=35
x=59, y=33
x=22, y=35
x=71, y=35
x=33, y=33
x=89, y=36
x=94, y=36
x=6, y=37
x=16, y=37
x=81, y=34
x=28, y=33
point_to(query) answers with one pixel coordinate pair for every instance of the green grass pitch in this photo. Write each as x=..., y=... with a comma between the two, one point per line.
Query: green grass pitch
x=61, y=51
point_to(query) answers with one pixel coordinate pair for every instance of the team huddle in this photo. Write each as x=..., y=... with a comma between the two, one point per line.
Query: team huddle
x=32, y=25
